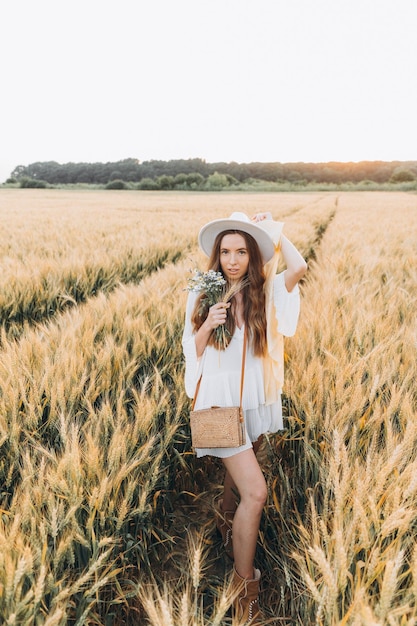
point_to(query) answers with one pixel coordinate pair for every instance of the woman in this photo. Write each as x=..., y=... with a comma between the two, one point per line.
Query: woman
x=243, y=249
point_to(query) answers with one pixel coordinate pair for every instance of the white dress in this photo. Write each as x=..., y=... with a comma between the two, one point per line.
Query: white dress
x=220, y=383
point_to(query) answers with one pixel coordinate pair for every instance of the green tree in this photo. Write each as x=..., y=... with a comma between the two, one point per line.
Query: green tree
x=217, y=181
x=195, y=180
x=402, y=176
x=165, y=182
x=32, y=183
x=116, y=184
x=180, y=181
x=148, y=184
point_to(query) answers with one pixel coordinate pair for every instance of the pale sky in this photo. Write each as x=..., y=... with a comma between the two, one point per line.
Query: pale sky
x=223, y=80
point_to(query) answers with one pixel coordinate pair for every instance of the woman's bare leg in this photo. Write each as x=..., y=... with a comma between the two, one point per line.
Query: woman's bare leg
x=230, y=490
x=246, y=475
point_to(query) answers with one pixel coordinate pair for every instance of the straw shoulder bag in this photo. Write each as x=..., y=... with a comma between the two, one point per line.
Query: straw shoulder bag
x=219, y=427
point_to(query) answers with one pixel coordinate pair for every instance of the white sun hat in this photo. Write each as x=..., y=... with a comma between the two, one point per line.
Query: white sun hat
x=237, y=221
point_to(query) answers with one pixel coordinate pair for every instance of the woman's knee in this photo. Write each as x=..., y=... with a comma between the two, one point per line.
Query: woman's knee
x=261, y=496
x=256, y=495
x=248, y=477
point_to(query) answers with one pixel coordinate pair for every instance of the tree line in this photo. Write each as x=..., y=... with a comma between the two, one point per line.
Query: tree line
x=193, y=173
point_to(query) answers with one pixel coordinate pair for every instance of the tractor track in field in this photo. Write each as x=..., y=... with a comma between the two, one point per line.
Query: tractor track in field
x=58, y=293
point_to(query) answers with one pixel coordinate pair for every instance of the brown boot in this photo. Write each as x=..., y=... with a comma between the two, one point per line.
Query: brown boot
x=246, y=605
x=224, y=520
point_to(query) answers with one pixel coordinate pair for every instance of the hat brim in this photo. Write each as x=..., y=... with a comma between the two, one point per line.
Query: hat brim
x=209, y=232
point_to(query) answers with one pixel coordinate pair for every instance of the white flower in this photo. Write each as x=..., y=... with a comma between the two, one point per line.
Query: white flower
x=210, y=283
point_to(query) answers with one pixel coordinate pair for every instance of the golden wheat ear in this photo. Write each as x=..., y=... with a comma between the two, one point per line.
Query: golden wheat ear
x=235, y=288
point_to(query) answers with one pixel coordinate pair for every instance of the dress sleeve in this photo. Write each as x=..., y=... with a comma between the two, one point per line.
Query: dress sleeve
x=192, y=362
x=287, y=306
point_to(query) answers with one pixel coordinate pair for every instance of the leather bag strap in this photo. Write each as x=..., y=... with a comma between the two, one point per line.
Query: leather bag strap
x=242, y=376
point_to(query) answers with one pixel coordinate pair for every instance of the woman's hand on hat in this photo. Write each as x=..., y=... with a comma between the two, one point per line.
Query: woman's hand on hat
x=260, y=217
x=217, y=314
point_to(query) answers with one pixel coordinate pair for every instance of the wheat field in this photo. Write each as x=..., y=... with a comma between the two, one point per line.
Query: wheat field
x=105, y=513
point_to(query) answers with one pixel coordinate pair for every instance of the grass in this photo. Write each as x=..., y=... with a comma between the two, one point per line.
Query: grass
x=105, y=513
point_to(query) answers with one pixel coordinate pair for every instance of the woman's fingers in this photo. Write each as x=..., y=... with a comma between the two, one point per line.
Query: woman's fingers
x=218, y=313
x=259, y=217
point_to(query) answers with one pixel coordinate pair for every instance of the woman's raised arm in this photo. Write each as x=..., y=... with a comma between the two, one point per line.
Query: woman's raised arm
x=296, y=265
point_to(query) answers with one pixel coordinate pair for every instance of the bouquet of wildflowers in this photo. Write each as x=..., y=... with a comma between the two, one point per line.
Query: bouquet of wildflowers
x=213, y=287
x=210, y=283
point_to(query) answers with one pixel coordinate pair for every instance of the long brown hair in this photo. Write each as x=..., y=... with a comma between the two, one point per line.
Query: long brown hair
x=253, y=297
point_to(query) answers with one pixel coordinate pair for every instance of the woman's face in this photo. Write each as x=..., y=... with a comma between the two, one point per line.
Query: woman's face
x=234, y=257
